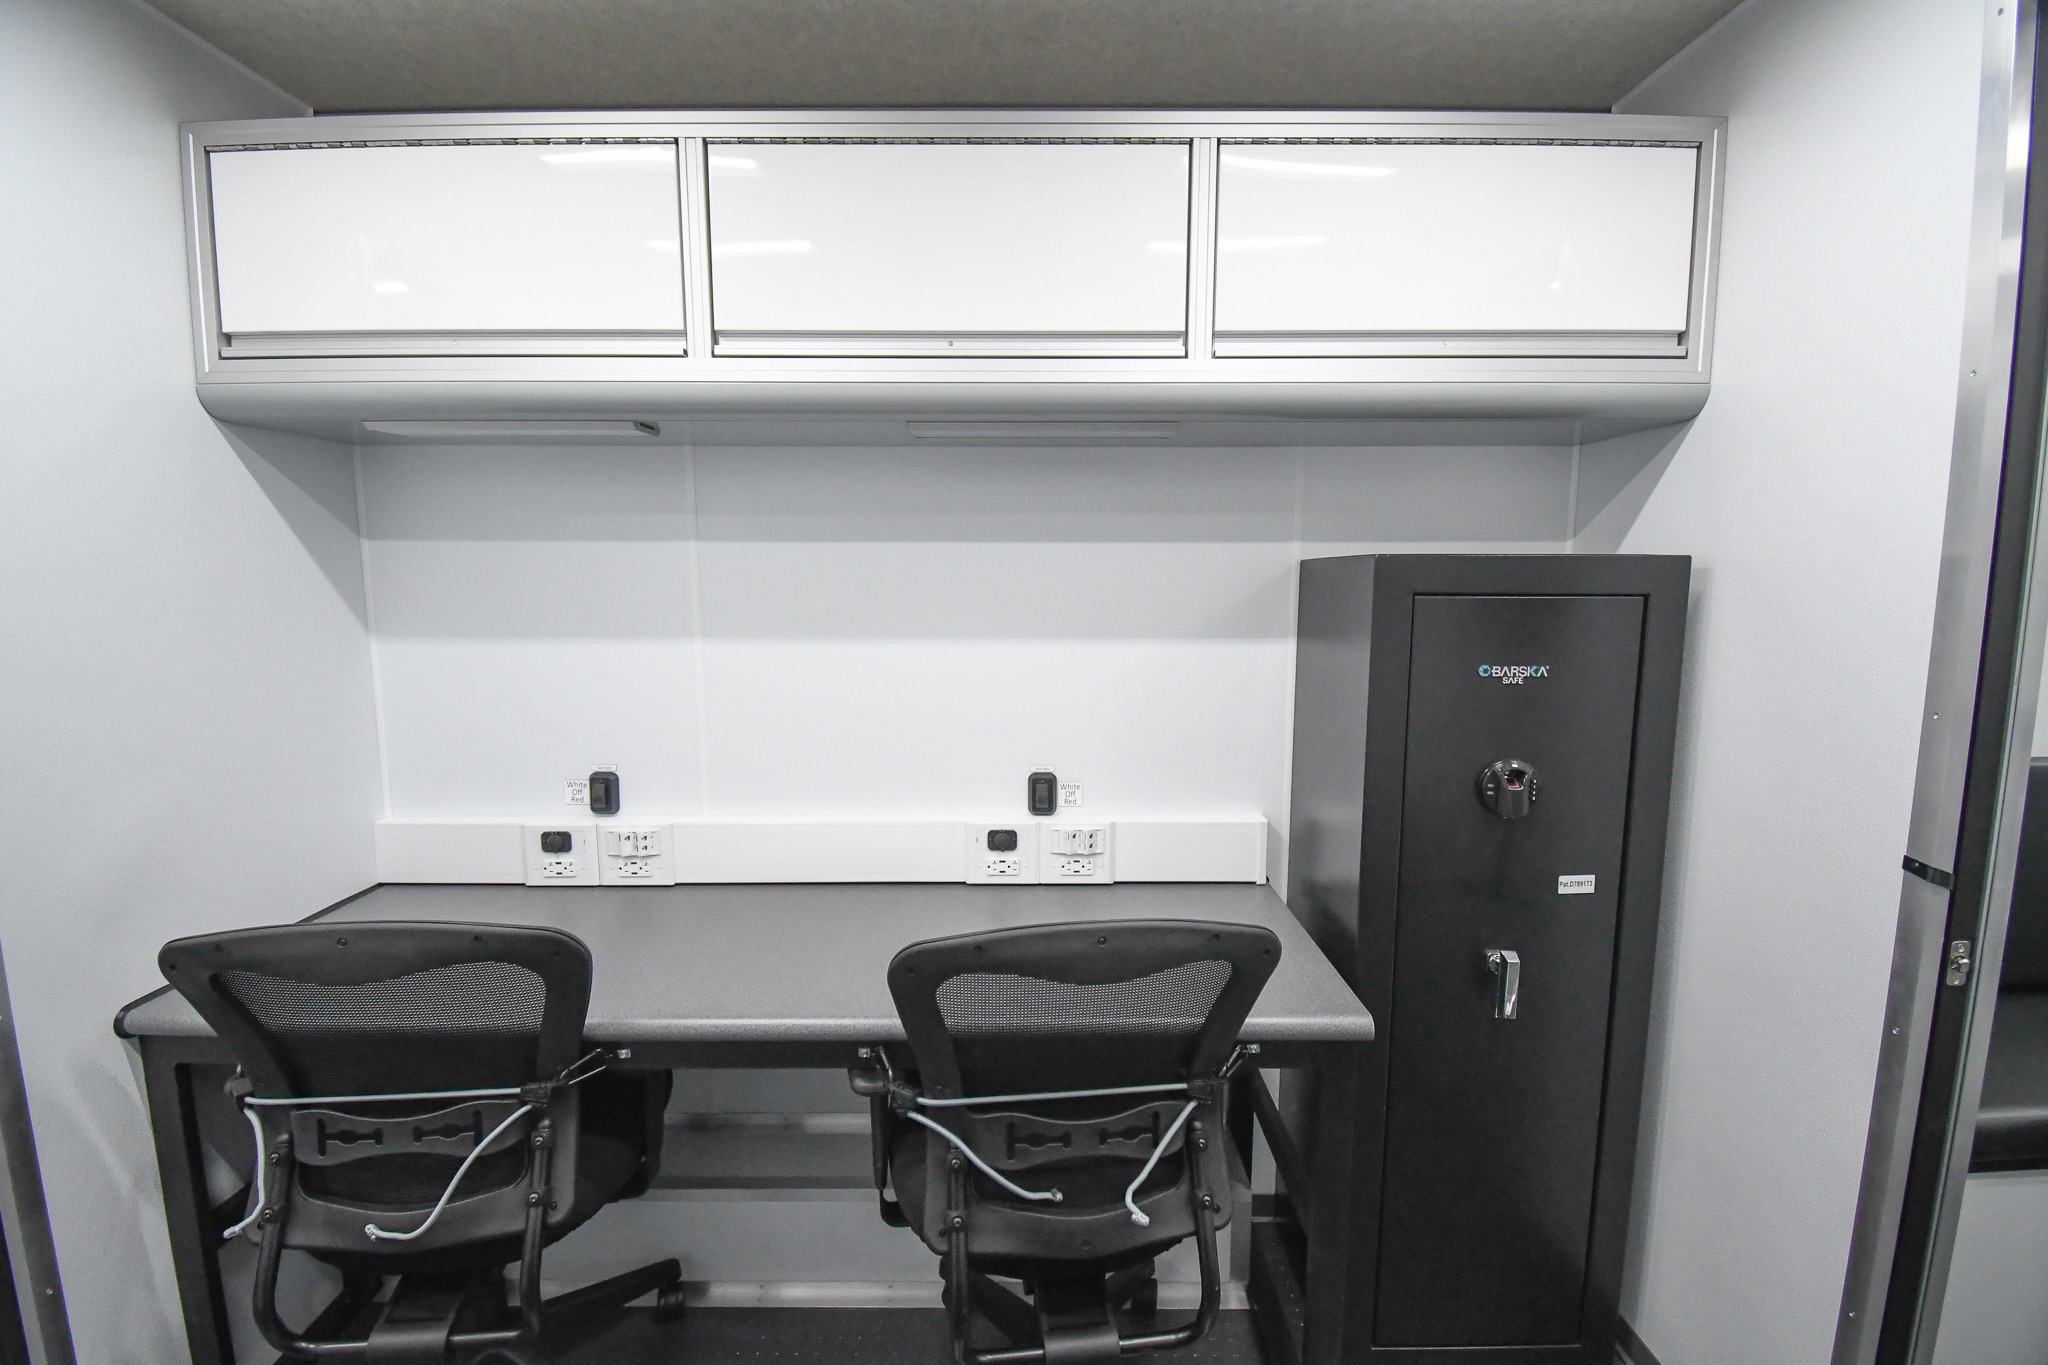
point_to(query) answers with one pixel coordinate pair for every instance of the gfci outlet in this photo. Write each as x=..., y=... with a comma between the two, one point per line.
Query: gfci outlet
x=1077, y=853
x=1002, y=853
x=563, y=853
x=636, y=855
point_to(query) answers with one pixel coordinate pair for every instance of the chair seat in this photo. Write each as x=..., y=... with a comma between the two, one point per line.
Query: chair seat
x=1008, y=1235
x=613, y=1156
x=2012, y=1115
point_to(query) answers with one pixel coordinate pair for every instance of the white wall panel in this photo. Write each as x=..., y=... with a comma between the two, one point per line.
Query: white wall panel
x=1352, y=238
x=560, y=238
x=1852, y=136
x=184, y=634
x=948, y=239
x=893, y=634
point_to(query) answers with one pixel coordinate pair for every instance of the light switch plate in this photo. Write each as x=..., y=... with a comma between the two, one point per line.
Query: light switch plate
x=999, y=867
x=576, y=867
x=635, y=854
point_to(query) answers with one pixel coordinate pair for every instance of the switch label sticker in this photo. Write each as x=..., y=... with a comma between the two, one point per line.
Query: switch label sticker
x=1579, y=885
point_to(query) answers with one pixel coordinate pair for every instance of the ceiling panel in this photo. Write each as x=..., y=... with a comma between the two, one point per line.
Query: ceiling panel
x=402, y=55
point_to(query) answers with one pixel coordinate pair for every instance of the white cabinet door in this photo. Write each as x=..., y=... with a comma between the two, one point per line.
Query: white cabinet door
x=1453, y=248
x=966, y=248
x=466, y=249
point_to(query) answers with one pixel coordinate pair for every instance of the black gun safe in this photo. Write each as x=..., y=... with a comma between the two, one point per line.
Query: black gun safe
x=1482, y=773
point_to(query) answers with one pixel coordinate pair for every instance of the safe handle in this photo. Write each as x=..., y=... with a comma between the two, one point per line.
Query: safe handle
x=1506, y=966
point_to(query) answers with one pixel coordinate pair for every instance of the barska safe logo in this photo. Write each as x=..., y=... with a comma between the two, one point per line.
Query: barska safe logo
x=1514, y=675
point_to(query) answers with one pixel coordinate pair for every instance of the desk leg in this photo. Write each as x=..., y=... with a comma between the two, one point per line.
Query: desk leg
x=1327, y=1210
x=180, y=1166
x=1242, y=1117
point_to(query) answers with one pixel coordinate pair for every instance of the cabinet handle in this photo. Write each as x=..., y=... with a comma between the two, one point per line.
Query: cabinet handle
x=1506, y=966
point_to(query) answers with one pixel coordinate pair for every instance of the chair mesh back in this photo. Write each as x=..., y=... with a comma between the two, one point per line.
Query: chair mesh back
x=388, y=1007
x=1077, y=1006
x=463, y=997
x=1173, y=1001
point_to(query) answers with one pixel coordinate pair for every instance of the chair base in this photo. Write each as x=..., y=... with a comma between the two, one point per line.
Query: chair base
x=414, y=1325
x=1073, y=1321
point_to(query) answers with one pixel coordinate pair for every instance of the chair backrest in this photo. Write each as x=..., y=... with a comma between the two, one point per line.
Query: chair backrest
x=388, y=1007
x=2026, y=932
x=1078, y=1006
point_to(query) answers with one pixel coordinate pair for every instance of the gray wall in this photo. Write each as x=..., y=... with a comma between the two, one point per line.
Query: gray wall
x=1995, y=1313
x=1811, y=492
x=189, y=739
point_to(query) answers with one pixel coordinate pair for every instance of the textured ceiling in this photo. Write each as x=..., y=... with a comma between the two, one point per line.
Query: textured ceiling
x=358, y=55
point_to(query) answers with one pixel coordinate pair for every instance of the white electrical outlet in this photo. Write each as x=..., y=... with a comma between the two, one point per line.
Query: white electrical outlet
x=1002, y=853
x=563, y=853
x=1077, y=853
x=637, y=855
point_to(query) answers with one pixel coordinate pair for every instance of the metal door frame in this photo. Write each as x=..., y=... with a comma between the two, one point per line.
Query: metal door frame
x=1977, y=730
x=24, y=1217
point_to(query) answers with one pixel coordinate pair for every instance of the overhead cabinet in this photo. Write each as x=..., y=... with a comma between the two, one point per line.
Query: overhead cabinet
x=1365, y=248
x=878, y=248
x=1257, y=267
x=522, y=248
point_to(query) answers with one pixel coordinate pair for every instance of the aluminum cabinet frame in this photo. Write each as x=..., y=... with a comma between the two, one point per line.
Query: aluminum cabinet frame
x=328, y=396
x=1345, y=877
x=1300, y=1319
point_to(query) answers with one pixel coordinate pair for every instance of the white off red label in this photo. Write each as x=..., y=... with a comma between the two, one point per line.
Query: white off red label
x=1580, y=885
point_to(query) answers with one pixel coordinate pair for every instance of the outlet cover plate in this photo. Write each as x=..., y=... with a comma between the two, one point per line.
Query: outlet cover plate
x=582, y=854
x=991, y=867
x=1059, y=867
x=616, y=868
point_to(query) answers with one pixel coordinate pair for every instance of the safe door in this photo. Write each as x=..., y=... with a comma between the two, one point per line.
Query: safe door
x=1521, y=712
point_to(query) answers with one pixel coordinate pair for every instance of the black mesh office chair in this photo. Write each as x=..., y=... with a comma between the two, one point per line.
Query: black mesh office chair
x=1060, y=1120
x=424, y=1107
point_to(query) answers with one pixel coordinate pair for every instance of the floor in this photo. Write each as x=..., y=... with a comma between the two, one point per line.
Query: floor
x=837, y=1336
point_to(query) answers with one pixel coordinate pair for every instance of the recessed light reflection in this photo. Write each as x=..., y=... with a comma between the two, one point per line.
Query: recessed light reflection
x=1307, y=170
x=733, y=165
x=650, y=154
x=790, y=248
x=1232, y=246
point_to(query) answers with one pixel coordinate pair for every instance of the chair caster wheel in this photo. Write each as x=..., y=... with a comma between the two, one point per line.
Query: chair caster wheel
x=668, y=1304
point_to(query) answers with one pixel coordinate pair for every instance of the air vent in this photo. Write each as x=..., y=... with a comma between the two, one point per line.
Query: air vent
x=510, y=430
x=1088, y=433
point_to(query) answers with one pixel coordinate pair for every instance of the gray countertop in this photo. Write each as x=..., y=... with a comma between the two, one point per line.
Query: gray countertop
x=780, y=963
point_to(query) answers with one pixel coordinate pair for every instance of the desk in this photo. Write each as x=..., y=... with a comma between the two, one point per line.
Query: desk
x=795, y=976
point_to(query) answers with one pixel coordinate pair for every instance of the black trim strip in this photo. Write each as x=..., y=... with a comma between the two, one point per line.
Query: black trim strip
x=1929, y=873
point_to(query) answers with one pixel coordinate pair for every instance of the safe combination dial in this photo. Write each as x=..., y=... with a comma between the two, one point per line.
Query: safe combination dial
x=1508, y=788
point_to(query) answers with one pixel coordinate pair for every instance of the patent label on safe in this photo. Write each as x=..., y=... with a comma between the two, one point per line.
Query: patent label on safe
x=1581, y=885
